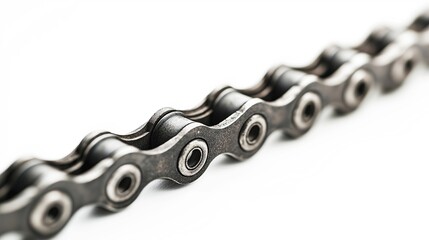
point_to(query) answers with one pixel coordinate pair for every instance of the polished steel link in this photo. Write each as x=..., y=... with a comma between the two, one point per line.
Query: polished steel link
x=38, y=197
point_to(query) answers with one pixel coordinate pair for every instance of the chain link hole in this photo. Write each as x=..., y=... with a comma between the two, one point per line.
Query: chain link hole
x=309, y=111
x=254, y=134
x=361, y=89
x=408, y=65
x=194, y=158
x=125, y=184
x=53, y=214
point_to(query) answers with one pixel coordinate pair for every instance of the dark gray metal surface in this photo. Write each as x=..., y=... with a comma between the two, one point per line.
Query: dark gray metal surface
x=38, y=197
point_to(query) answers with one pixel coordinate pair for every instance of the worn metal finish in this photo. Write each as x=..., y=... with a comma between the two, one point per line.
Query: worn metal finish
x=193, y=157
x=38, y=197
x=253, y=133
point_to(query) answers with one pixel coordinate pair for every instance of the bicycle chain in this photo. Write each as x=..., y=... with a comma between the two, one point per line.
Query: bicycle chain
x=38, y=197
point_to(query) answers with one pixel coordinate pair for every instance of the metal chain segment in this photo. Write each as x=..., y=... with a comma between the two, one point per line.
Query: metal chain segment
x=38, y=197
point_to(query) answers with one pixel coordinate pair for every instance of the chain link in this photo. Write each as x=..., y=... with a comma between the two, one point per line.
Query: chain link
x=38, y=197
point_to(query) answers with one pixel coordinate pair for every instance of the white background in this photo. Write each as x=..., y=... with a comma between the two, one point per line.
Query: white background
x=67, y=68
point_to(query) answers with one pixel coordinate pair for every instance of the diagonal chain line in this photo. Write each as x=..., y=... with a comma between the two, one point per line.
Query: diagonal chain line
x=38, y=197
